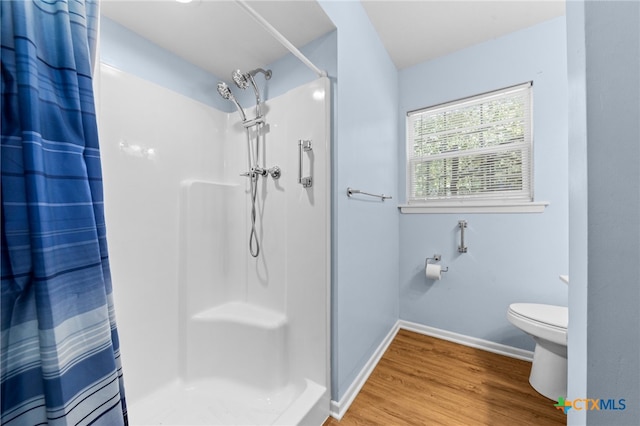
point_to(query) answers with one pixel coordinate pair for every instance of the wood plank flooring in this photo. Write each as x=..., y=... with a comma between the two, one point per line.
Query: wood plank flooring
x=422, y=380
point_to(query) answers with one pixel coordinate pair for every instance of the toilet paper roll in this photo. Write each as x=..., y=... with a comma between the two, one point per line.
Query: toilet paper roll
x=433, y=271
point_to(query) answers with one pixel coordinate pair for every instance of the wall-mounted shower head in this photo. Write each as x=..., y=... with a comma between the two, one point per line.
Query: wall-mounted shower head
x=242, y=80
x=225, y=92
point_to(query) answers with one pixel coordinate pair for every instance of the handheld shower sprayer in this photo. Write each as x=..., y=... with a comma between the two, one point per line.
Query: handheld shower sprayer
x=225, y=92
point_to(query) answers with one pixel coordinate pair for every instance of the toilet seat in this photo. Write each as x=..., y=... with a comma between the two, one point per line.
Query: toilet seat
x=555, y=316
x=543, y=321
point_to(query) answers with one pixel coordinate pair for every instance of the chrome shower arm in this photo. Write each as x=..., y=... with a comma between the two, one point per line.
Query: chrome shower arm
x=267, y=73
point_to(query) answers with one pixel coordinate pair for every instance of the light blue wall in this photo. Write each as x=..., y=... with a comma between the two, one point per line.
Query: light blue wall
x=127, y=51
x=365, y=231
x=578, y=211
x=605, y=81
x=511, y=257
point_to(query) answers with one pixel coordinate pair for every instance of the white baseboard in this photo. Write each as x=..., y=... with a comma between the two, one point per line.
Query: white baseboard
x=486, y=345
x=338, y=409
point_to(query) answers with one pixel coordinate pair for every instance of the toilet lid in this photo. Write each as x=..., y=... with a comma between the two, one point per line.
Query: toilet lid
x=557, y=316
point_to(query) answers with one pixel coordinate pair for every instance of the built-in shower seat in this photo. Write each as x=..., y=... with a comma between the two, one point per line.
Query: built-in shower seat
x=238, y=341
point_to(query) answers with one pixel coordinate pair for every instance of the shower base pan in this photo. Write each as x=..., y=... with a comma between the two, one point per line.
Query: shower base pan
x=224, y=402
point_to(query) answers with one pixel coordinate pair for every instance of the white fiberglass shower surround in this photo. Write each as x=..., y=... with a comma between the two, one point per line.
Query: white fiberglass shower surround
x=211, y=332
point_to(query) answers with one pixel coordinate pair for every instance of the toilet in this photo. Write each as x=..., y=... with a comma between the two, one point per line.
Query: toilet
x=547, y=324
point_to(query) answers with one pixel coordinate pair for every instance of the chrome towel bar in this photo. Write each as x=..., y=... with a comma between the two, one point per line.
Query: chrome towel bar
x=351, y=191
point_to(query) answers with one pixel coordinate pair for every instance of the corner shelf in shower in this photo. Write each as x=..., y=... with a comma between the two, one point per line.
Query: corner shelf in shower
x=243, y=313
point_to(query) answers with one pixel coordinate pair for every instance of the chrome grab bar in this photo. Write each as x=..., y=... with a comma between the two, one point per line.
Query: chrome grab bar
x=462, y=248
x=351, y=191
x=303, y=145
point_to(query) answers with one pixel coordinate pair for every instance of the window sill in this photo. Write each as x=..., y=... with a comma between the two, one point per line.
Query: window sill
x=534, y=207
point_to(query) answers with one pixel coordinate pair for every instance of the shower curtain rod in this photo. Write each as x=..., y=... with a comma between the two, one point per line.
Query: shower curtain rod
x=276, y=34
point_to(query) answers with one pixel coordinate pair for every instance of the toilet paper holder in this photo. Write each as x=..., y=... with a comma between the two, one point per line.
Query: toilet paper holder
x=435, y=258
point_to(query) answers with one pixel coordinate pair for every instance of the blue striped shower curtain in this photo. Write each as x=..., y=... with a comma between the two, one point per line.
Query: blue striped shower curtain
x=60, y=351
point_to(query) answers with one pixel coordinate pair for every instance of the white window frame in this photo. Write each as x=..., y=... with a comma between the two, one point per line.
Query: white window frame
x=490, y=202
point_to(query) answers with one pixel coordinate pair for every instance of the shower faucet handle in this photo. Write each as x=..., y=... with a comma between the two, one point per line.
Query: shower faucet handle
x=275, y=172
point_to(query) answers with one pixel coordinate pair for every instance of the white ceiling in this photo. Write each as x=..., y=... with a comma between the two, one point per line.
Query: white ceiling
x=220, y=37
x=417, y=31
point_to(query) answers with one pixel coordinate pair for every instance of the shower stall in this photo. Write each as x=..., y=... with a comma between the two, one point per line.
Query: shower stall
x=219, y=235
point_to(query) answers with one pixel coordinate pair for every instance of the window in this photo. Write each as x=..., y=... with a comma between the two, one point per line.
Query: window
x=475, y=151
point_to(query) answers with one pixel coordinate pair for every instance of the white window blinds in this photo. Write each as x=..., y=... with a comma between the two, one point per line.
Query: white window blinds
x=476, y=149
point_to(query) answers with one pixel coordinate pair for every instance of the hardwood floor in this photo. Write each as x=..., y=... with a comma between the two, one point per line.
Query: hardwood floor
x=423, y=380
